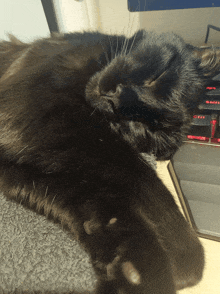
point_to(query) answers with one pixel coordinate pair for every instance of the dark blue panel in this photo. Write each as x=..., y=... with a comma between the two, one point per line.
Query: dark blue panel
x=148, y=5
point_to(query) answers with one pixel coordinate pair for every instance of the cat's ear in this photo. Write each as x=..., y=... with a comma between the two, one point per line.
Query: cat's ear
x=209, y=59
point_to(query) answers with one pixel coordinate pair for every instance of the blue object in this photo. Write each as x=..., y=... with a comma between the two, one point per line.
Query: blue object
x=149, y=5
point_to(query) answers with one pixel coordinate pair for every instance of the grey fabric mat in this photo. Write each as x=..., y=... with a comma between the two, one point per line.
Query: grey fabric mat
x=37, y=255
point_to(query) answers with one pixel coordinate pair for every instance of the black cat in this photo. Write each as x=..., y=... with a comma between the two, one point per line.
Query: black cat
x=76, y=110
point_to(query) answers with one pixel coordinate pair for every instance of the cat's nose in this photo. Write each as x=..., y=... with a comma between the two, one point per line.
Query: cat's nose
x=113, y=91
x=130, y=105
x=125, y=101
x=113, y=97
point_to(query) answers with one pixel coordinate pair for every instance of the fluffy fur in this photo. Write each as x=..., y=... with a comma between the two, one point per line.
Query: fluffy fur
x=76, y=112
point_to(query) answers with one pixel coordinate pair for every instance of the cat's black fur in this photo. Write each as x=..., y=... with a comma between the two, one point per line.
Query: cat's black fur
x=76, y=110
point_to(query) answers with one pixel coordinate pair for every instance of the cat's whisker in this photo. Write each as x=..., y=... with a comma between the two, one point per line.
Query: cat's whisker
x=53, y=200
x=111, y=47
x=129, y=28
x=132, y=44
x=98, y=62
x=126, y=47
x=93, y=111
x=45, y=195
x=137, y=9
x=128, y=34
x=121, y=53
x=18, y=193
x=126, y=41
x=116, y=52
x=22, y=149
x=106, y=55
x=123, y=44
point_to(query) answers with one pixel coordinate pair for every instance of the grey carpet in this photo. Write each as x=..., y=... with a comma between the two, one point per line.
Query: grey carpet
x=36, y=255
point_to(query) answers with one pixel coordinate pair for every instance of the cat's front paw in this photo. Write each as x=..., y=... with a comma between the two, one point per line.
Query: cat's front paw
x=121, y=278
x=128, y=270
x=140, y=267
x=128, y=259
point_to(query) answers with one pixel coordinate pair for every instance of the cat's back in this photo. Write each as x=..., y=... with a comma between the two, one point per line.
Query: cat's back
x=69, y=50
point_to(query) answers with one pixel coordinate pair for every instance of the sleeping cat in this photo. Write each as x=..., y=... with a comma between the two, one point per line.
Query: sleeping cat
x=76, y=112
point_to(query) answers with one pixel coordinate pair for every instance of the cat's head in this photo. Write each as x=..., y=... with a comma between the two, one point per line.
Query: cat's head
x=148, y=94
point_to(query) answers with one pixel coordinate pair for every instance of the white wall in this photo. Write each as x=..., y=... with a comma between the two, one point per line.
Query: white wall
x=115, y=17
x=77, y=16
x=191, y=24
x=23, y=18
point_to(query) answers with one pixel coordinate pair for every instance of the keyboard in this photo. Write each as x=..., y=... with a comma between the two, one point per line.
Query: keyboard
x=205, y=127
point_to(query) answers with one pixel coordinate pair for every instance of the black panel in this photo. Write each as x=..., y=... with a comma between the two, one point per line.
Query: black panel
x=195, y=171
x=50, y=14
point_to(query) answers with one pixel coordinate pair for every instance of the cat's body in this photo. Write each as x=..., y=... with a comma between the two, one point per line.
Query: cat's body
x=76, y=111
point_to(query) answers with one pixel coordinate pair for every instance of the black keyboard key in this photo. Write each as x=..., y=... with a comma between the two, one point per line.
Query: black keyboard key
x=212, y=91
x=201, y=120
x=201, y=128
x=213, y=104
